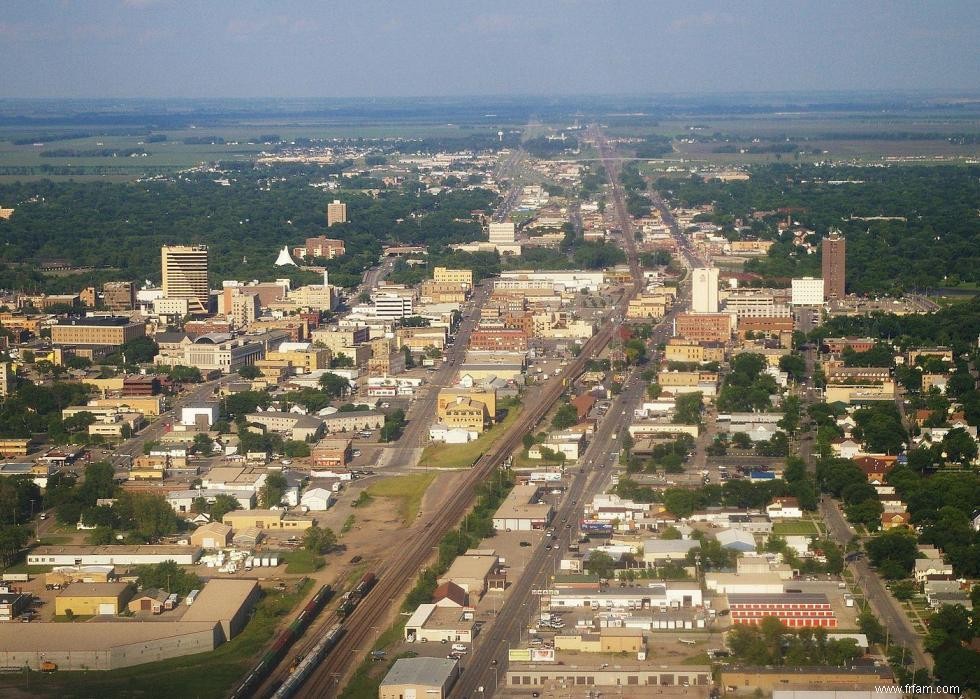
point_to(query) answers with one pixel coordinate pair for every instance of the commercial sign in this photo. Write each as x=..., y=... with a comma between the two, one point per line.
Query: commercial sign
x=596, y=526
x=542, y=655
x=519, y=655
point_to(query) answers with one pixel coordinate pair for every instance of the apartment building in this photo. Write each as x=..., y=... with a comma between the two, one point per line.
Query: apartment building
x=110, y=331
x=185, y=275
x=321, y=246
x=446, y=275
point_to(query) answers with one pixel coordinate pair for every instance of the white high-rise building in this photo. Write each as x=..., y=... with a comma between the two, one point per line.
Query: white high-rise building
x=387, y=305
x=704, y=290
x=807, y=291
x=185, y=275
x=502, y=232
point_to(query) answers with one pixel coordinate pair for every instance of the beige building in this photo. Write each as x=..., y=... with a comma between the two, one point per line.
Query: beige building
x=336, y=212
x=341, y=340
x=459, y=277
x=680, y=350
x=7, y=375
x=449, y=396
x=471, y=571
x=465, y=413
x=185, y=275
x=92, y=599
x=266, y=519
x=97, y=332
x=419, y=678
x=647, y=307
x=119, y=296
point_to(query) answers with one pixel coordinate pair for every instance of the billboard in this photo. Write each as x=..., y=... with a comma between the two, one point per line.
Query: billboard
x=596, y=526
x=542, y=655
x=519, y=655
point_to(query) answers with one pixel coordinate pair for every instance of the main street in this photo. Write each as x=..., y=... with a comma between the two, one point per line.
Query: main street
x=489, y=655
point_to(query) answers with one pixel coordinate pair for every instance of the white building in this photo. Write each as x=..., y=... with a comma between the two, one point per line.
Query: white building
x=441, y=432
x=112, y=555
x=205, y=415
x=392, y=305
x=807, y=291
x=502, y=233
x=704, y=290
x=317, y=499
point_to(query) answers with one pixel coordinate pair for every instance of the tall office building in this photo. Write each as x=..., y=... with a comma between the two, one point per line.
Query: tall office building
x=704, y=290
x=832, y=251
x=336, y=212
x=502, y=232
x=185, y=275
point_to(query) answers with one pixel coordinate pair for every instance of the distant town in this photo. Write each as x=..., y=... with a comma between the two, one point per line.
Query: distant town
x=629, y=428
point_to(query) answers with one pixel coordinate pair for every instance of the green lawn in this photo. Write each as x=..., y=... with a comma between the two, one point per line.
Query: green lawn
x=201, y=676
x=367, y=677
x=801, y=527
x=441, y=455
x=302, y=561
x=407, y=489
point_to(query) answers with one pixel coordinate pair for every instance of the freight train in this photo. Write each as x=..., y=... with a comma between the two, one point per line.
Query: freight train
x=323, y=647
x=352, y=598
x=277, y=651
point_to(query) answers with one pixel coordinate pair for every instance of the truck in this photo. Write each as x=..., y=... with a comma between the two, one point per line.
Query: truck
x=16, y=577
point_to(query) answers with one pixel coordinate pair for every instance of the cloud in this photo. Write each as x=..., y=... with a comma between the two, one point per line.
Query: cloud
x=701, y=21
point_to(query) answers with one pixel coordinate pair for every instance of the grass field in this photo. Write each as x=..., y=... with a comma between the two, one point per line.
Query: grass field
x=202, y=676
x=367, y=678
x=463, y=455
x=408, y=490
x=302, y=561
x=802, y=527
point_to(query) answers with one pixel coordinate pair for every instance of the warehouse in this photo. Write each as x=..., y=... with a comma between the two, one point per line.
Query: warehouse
x=117, y=644
x=227, y=602
x=213, y=535
x=434, y=623
x=659, y=595
x=657, y=551
x=739, y=583
x=621, y=675
x=112, y=555
x=471, y=571
x=794, y=609
x=90, y=599
x=431, y=678
x=522, y=510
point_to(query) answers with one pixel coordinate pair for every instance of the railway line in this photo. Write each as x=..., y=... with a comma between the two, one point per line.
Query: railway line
x=400, y=571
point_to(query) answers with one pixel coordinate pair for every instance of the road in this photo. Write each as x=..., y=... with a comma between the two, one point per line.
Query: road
x=404, y=453
x=489, y=654
x=885, y=607
x=399, y=571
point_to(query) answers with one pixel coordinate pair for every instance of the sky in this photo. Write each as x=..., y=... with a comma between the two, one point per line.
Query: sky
x=394, y=48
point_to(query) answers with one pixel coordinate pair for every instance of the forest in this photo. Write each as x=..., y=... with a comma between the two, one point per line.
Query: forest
x=938, y=243
x=116, y=229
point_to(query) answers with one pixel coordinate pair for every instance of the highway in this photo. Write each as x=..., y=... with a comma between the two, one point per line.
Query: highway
x=489, y=655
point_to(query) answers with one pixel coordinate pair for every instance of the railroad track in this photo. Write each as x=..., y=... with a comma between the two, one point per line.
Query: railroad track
x=401, y=571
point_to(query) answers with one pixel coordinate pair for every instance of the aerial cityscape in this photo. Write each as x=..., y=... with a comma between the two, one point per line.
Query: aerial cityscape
x=440, y=350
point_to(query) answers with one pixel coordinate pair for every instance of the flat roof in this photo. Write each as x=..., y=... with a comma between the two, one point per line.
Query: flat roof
x=100, y=321
x=115, y=589
x=146, y=549
x=470, y=567
x=43, y=637
x=423, y=671
x=518, y=505
x=777, y=597
x=220, y=599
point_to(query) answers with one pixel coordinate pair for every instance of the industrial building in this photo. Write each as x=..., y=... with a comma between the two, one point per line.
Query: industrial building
x=432, y=678
x=794, y=610
x=90, y=599
x=112, y=555
x=620, y=674
x=521, y=510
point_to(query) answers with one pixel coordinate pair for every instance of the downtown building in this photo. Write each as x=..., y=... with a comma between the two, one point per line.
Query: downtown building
x=185, y=276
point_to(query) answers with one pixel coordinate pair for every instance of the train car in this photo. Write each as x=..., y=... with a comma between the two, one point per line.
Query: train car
x=277, y=651
x=305, y=666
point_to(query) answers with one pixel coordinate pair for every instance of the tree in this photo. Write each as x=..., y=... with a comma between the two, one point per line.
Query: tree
x=222, y=505
x=794, y=365
x=334, y=386
x=12, y=540
x=250, y=372
x=274, y=490
x=600, y=563
x=871, y=627
x=654, y=390
x=897, y=546
x=318, y=540
x=167, y=576
x=566, y=416
x=394, y=424
x=959, y=446
x=295, y=449
x=527, y=440
x=148, y=515
x=203, y=444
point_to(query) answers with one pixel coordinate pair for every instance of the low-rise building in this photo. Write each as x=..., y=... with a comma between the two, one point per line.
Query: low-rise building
x=432, y=678
x=545, y=676
x=112, y=555
x=91, y=599
x=440, y=624
x=522, y=510
x=471, y=571
x=213, y=535
x=266, y=519
x=331, y=452
x=794, y=610
x=353, y=421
